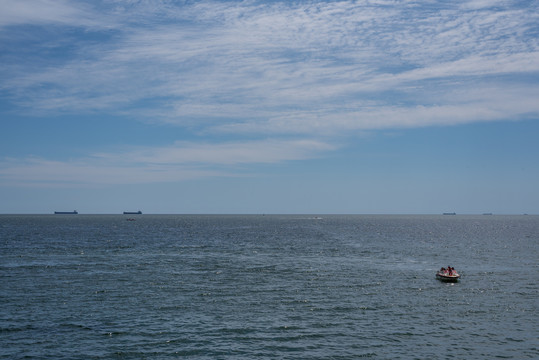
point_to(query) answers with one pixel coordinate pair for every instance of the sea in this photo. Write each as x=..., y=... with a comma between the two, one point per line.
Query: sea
x=268, y=287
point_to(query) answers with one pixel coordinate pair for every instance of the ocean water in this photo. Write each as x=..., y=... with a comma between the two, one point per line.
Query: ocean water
x=267, y=287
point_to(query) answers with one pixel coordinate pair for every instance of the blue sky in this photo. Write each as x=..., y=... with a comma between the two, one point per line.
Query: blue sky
x=269, y=106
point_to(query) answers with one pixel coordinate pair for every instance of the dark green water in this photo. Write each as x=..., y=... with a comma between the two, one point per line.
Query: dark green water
x=267, y=287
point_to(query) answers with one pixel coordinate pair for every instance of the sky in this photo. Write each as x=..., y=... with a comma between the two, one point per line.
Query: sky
x=314, y=107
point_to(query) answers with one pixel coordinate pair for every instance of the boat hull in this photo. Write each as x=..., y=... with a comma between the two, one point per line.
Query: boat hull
x=447, y=278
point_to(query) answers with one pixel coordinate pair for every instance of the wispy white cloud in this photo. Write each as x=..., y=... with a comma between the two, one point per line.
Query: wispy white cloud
x=479, y=104
x=47, y=12
x=262, y=151
x=262, y=59
x=38, y=172
x=177, y=162
x=306, y=68
x=479, y=4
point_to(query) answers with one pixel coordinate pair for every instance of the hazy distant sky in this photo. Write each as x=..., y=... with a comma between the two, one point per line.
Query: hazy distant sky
x=269, y=106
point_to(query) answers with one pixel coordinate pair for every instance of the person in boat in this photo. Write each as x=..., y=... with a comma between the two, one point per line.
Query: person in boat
x=442, y=270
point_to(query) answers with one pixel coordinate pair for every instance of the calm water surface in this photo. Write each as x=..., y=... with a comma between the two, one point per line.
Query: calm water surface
x=267, y=287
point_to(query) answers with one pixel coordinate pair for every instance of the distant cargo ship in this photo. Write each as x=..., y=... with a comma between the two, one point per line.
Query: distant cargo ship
x=74, y=212
x=132, y=212
x=450, y=213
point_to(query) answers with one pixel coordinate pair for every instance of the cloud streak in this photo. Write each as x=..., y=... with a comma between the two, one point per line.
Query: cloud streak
x=181, y=161
x=44, y=12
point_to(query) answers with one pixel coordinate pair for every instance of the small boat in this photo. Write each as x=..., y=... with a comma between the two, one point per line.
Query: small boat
x=447, y=276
